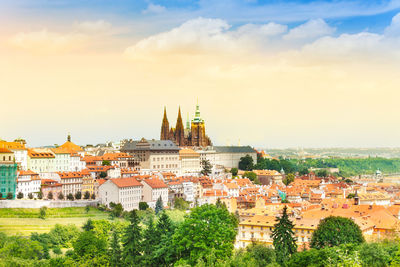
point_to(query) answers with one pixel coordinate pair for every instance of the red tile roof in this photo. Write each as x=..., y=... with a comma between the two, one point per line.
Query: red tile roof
x=155, y=183
x=126, y=182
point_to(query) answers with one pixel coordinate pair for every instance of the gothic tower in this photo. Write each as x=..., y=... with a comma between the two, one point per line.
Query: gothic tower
x=165, y=127
x=198, y=131
x=179, y=130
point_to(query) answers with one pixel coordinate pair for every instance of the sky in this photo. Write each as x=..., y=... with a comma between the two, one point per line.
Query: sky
x=268, y=74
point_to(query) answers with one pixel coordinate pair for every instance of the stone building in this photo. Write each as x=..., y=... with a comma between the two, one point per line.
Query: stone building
x=157, y=155
x=193, y=135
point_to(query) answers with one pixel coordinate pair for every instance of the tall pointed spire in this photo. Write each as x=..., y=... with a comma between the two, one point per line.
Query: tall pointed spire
x=165, y=126
x=69, y=137
x=179, y=130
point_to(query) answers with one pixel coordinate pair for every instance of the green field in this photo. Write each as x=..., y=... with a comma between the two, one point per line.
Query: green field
x=26, y=221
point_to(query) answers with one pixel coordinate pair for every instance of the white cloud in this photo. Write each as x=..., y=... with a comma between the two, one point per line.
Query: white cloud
x=45, y=41
x=154, y=9
x=311, y=29
x=93, y=26
x=394, y=28
x=347, y=46
x=192, y=36
x=270, y=29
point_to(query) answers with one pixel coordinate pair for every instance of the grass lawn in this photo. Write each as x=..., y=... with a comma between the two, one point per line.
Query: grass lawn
x=26, y=221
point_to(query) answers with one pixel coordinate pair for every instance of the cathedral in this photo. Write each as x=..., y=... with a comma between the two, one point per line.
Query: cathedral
x=193, y=135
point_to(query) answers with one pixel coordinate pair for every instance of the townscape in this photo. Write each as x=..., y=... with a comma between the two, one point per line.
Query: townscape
x=199, y=133
x=184, y=170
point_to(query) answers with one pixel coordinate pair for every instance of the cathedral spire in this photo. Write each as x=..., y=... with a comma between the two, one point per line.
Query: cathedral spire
x=165, y=126
x=179, y=130
x=69, y=137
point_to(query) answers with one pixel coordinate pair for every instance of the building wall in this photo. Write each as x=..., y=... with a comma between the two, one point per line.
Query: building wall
x=8, y=179
x=108, y=192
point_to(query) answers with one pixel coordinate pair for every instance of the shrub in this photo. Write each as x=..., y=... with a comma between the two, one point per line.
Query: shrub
x=42, y=213
x=20, y=195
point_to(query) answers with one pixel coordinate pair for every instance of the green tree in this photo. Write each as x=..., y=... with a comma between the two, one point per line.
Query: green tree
x=143, y=205
x=150, y=240
x=159, y=205
x=40, y=194
x=181, y=204
x=374, y=254
x=333, y=231
x=132, y=239
x=103, y=174
x=261, y=254
x=234, y=171
x=42, y=213
x=322, y=173
x=88, y=226
x=304, y=171
x=20, y=195
x=207, y=168
x=87, y=208
x=86, y=195
x=106, y=163
x=117, y=210
x=78, y=195
x=289, y=178
x=284, y=238
x=1, y=195
x=93, y=196
x=70, y=196
x=57, y=251
x=207, y=229
x=246, y=163
x=88, y=245
x=9, y=195
x=251, y=175
x=60, y=196
x=115, y=252
x=164, y=253
x=50, y=195
x=30, y=196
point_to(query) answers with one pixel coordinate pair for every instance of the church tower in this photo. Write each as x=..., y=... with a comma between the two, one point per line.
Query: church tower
x=165, y=127
x=198, y=130
x=179, y=130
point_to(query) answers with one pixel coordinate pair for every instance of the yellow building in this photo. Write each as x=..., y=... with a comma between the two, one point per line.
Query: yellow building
x=259, y=229
x=87, y=184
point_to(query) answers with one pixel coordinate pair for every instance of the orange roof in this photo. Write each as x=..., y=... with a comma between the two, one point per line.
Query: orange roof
x=126, y=182
x=101, y=181
x=60, y=150
x=28, y=172
x=12, y=145
x=231, y=186
x=155, y=183
x=71, y=146
x=64, y=175
x=33, y=154
x=5, y=150
x=215, y=193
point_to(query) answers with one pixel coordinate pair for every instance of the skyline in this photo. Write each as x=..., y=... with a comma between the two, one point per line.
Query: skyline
x=278, y=74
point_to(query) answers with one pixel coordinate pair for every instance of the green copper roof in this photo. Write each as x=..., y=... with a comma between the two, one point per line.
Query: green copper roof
x=197, y=117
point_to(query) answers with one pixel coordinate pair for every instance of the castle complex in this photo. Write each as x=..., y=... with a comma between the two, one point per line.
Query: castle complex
x=193, y=135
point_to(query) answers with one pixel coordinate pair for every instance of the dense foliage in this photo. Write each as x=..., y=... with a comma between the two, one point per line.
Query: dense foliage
x=334, y=231
x=204, y=238
x=347, y=166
